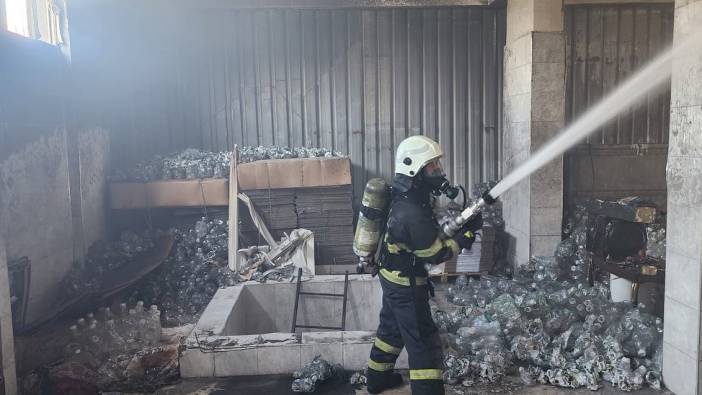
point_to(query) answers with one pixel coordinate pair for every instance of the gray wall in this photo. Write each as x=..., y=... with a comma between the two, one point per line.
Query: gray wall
x=37, y=218
x=604, y=45
x=357, y=81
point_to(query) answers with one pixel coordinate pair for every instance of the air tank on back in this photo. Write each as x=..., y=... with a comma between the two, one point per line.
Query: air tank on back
x=371, y=221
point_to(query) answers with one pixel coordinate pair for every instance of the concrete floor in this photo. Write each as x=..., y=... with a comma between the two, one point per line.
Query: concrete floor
x=259, y=385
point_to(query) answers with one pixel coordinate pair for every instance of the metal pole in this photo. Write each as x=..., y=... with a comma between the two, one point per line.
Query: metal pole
x=343, y=311
x=297, y=299
x=7, y=343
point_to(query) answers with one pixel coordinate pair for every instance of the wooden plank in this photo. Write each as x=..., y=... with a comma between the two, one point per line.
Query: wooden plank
x=7, y=342
x=233, y=240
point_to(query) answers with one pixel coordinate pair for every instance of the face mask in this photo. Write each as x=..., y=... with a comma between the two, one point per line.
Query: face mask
x=441, y=186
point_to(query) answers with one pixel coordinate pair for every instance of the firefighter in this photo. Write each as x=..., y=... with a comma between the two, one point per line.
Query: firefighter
x=412, y=241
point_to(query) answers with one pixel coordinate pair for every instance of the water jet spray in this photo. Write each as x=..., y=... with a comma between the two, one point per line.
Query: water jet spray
x=627, y=94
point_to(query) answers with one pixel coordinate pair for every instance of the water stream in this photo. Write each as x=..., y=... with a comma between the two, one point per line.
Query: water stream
x=626, y=95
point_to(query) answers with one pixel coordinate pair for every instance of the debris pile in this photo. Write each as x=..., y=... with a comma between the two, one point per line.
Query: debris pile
x=656, y=245
x=251, y=154
x=104, y=258
x=192, y=163
x=314, y=373
x=115, y=351
x=190, y=276
x=552, y=327
x=94, y=339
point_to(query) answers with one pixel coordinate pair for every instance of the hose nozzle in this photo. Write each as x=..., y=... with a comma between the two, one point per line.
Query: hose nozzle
x=451, y=227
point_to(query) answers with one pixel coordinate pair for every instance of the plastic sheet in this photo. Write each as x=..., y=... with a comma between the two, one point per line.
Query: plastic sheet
x=311, y=375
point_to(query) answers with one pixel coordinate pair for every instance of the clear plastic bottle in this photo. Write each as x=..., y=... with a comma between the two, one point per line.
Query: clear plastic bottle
x=94, y=341
x=155, y=324
x=131, y=330
x=116, y=342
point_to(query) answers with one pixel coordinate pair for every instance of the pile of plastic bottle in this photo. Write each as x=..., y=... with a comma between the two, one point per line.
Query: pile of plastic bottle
x=104, y=258
x=192, y=163
x=190, y=276
x=656, y=243
x=98, y=337
x=550, y=326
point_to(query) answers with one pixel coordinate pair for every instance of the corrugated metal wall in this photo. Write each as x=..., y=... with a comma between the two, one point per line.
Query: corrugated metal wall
x=357, y=81
x=605, y=45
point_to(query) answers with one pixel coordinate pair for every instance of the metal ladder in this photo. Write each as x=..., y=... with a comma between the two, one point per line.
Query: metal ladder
x=299, y=292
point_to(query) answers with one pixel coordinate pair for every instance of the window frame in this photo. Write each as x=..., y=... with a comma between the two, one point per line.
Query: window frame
x=46, y=20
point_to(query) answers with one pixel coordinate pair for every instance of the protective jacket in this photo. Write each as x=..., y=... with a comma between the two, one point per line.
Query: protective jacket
x=411, y=241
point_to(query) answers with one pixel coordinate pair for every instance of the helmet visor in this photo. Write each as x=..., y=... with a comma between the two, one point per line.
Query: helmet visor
x=433, y=168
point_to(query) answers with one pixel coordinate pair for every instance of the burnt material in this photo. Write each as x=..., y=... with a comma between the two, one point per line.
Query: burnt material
x=632, y=209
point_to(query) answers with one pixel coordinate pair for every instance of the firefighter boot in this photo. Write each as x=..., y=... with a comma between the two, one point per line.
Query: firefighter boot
x=381, y=381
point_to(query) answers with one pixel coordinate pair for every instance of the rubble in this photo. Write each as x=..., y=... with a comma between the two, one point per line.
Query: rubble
x=311, y=375
x=549, y=325
x=192, y=163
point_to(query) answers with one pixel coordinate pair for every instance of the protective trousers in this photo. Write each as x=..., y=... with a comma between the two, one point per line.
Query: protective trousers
x=405, y=321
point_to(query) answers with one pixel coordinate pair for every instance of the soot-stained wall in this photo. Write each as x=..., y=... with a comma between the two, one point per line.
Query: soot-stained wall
x=38, y=215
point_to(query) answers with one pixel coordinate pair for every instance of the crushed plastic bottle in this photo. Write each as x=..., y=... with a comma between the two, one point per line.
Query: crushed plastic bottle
x=192, y=163
x=312, y=374
x=560, y=331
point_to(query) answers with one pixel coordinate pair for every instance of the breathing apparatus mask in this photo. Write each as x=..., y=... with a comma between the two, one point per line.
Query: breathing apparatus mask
x=433, y=174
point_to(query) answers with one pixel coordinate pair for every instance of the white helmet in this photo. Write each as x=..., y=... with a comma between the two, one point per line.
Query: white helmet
x=414, y=152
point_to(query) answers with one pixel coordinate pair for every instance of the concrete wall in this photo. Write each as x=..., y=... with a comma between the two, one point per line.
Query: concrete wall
x=36, y=215
x=682, y=334
x=269, y=308
x=533, y=113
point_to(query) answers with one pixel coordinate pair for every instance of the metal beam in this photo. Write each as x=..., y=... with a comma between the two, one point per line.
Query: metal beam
x=328, y=4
